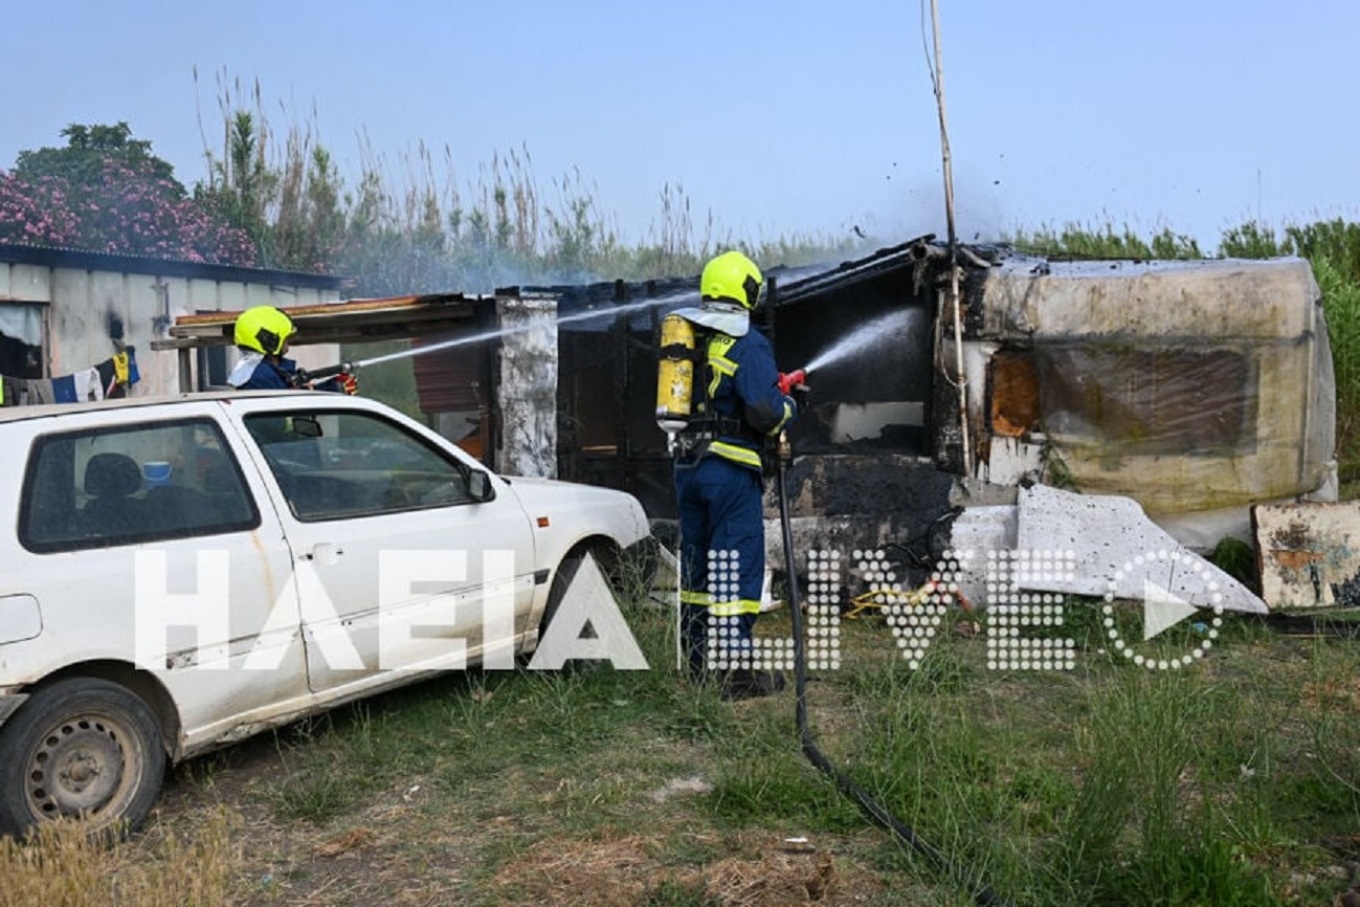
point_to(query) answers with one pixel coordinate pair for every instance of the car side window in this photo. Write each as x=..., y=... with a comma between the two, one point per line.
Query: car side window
x=131, y=484
x=341, y=465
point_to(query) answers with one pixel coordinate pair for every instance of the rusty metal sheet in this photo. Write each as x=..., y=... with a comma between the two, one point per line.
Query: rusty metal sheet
x=1309, y=554
x=1015, y=393
x=349, y=321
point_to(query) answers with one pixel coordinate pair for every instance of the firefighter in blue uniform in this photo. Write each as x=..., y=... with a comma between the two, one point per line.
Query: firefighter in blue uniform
x=719, y=478
x=261, y=333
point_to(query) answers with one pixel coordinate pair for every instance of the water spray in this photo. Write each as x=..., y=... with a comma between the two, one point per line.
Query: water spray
x=862, y=338
x=345, y=368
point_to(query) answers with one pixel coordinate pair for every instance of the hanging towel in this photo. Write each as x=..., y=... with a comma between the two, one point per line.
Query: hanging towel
x=64, y=389
x=88, y=386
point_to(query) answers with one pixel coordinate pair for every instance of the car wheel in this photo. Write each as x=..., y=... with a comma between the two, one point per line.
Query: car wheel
x=82, y=749
x=606, y=559
x=566, y=572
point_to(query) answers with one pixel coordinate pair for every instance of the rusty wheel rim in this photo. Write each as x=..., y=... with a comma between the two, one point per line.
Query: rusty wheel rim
x=82, y=767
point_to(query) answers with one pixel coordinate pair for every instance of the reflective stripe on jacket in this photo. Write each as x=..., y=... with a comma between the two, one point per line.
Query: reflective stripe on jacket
x=743, y=384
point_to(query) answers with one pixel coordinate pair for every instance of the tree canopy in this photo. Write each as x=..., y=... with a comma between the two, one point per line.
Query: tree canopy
x=106, y=192
x=81, y=162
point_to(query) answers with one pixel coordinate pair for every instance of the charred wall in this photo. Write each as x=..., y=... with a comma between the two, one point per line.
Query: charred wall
x=606, y=392
x=877, y=396
x=873, y=404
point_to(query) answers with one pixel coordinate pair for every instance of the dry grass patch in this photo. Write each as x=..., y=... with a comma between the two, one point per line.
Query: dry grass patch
x=632, y=870
x=60, y=865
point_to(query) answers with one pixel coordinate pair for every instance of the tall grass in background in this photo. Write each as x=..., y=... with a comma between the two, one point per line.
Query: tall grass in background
x=1103, y=242
x=413, y=224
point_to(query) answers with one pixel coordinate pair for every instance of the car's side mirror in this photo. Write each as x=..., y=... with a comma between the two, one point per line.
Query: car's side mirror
x=480, y=488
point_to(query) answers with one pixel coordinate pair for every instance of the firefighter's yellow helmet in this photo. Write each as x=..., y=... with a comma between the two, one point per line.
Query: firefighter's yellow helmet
x=264, y=329
x=732, y=277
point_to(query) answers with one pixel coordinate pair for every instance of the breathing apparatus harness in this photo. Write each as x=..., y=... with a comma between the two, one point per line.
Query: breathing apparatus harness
x=683, y=408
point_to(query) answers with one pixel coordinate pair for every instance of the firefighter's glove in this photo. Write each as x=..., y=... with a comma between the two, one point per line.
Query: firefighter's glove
x=300, y=378
x=800, y=394
x=348, y=383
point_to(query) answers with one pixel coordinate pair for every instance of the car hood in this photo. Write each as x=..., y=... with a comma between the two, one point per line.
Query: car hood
x=606, y=511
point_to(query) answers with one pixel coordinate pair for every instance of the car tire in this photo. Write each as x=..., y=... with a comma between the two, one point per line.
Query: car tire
x=82, y=749
x=561, y=581
x=606, y=559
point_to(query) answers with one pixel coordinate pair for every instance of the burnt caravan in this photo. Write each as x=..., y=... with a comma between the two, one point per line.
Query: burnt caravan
x=1195, y=388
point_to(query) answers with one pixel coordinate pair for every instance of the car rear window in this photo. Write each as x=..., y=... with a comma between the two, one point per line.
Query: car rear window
x=144, y=482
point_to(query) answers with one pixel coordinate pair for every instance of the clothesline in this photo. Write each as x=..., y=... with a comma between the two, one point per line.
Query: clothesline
x=110, y=378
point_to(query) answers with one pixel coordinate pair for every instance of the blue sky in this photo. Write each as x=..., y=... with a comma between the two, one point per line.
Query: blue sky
x=778, y=118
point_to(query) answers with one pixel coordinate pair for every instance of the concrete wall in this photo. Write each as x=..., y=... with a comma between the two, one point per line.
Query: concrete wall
x=527, y=393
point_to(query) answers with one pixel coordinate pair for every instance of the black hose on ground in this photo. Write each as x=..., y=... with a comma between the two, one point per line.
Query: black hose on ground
x=982, y=893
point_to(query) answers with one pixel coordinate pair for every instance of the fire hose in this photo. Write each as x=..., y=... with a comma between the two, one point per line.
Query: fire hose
x=305, y=377
x=982, y=893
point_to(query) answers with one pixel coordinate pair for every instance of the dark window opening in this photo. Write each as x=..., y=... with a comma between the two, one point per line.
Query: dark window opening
x=1147, y=402
x=874, y=391
x=21, y=340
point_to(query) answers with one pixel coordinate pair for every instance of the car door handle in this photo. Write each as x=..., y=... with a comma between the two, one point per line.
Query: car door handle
x=324, y=553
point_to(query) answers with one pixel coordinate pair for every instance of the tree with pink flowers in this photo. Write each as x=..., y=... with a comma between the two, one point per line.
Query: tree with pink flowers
x=106, y=192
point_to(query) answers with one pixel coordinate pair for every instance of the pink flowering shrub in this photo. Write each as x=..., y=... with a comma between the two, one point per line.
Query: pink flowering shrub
x=35, y=212
x=125, y=211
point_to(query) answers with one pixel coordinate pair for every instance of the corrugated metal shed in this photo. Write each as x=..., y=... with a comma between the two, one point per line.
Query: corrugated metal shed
x=70, y=309
x=57, y=257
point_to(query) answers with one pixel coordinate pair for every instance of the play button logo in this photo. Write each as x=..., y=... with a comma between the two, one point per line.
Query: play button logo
x=1162, y=609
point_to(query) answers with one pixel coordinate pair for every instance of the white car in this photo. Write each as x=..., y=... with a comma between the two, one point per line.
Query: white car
x=179, y=573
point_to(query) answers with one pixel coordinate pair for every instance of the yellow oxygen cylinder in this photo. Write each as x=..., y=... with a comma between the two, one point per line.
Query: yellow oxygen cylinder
x=675, y=375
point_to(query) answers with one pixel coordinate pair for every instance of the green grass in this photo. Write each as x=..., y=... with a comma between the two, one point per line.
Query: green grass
x=1231, y=782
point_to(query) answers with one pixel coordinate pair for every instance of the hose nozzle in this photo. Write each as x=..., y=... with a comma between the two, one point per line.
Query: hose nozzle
x=787, y=382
